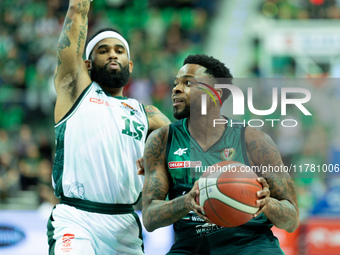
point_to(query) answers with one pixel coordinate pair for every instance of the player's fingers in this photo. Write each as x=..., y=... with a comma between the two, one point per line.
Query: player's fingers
x=194, y=192
x=140, y=166
x=195, y=206
x=200, y=214
x=262, y=202
x=195, y=185
x=140, y=172
x=139, y=163
x=263, y=193
x=261, y=210
x=263, y=182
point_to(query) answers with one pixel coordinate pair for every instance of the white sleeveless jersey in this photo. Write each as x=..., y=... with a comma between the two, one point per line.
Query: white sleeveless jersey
x=97, y=145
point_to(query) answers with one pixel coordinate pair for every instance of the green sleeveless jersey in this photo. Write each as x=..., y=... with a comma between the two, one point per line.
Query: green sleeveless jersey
x=187, y=161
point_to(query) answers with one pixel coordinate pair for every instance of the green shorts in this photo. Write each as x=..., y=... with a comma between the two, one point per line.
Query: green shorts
x=217, y=244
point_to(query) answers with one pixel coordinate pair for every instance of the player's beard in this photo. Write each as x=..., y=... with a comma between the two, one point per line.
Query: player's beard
x=110, y=78
x=185, y=113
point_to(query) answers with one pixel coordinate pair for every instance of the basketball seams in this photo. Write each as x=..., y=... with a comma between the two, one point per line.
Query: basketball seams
x=222, y=205
x=231, y=202
x=213, y=209
x=241, y=182
x=211, y=206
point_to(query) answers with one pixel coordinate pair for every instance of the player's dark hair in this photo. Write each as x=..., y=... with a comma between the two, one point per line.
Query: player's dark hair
x=215, y=68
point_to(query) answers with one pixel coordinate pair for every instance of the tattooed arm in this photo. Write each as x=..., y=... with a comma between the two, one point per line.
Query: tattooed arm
x=71, y=75
x=277, y=200
x=156, y=118
x=157, y=212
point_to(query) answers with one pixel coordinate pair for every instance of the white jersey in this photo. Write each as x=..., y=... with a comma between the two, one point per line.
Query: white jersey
x=97, y=145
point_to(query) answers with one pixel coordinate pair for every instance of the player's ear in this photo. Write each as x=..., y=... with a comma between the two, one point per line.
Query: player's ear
x=130, y=66
x=219, y=92
x=88, y=64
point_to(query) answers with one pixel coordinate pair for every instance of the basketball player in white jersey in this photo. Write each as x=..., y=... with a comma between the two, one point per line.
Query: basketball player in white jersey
x=99, y=136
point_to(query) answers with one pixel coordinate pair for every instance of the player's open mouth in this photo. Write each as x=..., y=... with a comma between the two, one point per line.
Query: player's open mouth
x=177, y=101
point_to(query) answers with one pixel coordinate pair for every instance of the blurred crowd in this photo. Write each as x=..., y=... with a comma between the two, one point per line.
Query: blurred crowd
x=301, y=9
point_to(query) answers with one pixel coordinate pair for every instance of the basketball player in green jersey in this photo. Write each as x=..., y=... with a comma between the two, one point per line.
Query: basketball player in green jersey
x=99, y=136
x=173, y=152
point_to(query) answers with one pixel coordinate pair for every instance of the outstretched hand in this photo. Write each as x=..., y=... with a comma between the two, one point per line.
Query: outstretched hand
x=263, y=195
x=192, y=204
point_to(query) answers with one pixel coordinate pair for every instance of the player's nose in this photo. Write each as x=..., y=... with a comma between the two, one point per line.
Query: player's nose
x=113, y=54
x=178, y=88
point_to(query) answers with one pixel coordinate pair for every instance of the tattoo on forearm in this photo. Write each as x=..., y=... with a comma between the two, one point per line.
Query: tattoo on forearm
x=150, y=111
x=64, y=41
x=159, y=213
x=283, y=208
x=81, y=36
x=283, y=211
x=154, y=152
x=83, y=8
x=156, y=211
x=162, y=120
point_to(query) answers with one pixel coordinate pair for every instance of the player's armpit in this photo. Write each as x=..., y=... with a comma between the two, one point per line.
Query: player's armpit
x=155, y=117
x=281, y=207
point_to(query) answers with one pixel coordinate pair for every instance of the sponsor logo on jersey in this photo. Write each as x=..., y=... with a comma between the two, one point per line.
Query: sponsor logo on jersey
x=181, y=151
x=100, y=101
x=67, y=238
x=132, y=110
x=184, y=164
x=207, y=228
x=67, y=242
x=228, y=154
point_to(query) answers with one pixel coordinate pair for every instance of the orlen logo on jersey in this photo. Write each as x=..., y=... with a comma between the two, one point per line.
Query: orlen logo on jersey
x=176, y=164
x=96, y=100
x=99, y=101
x=184, y=164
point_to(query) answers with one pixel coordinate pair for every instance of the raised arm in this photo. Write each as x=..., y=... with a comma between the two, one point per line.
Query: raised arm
x=157, y=212
x=156, y=118
x=71, y=75
x=278, y=197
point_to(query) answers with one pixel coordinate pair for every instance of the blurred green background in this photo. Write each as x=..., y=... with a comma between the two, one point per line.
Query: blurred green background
x=277, y=39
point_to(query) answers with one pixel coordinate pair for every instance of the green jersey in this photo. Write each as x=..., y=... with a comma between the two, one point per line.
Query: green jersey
x=187, y=161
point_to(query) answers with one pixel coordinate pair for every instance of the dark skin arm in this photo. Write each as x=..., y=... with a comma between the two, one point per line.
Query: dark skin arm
x=156, y=120
x=157, y=212
x=71, y=74
x=155, y=117
x=277, y=200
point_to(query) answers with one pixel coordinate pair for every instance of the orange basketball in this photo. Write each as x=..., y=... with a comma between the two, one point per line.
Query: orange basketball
x=228, y=193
